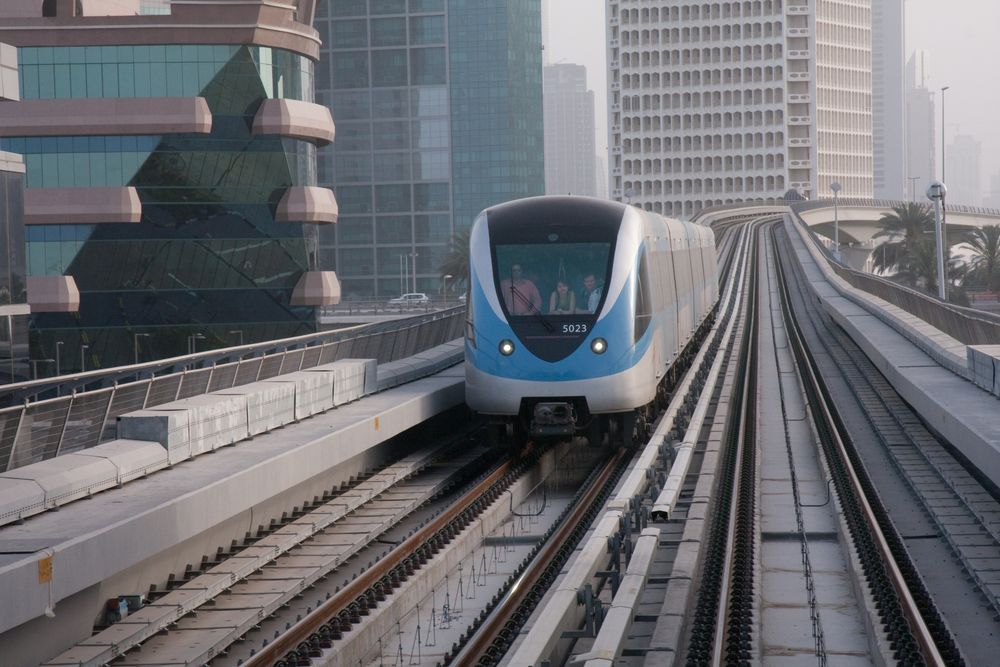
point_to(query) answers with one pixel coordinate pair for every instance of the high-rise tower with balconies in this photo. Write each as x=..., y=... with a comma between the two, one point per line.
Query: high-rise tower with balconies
x=720, y=102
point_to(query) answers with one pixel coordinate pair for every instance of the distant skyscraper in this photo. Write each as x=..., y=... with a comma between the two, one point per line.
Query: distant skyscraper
x=992, y=198
x=921, y=166
x=716, y=102
x=438, y=105
x=570, y=166
x=888, y=117
x=602, y=177
x=964, y=163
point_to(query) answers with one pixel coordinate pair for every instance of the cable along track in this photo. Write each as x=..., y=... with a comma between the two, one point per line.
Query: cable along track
x=915, y=631
x=722, y=614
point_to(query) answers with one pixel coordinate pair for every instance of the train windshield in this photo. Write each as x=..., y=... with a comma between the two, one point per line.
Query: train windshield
x=552, y=278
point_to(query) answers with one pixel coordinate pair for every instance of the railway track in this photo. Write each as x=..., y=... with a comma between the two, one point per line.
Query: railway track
x=937, y=514
x=301, y=592
x=396, y=569
x=232, y=596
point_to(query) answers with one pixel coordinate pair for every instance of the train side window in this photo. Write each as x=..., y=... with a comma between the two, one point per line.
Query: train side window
x=643, y=299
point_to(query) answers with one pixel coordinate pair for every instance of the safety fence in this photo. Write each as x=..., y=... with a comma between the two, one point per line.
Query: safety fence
x=966, y=325
x=43, y=429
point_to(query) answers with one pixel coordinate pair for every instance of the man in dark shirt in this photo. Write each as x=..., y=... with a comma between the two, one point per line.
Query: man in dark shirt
x=591, y=293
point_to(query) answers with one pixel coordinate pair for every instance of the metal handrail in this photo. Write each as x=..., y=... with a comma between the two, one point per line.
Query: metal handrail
x=47, y=427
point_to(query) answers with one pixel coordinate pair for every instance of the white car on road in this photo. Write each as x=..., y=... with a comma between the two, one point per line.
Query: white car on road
x=411, y=299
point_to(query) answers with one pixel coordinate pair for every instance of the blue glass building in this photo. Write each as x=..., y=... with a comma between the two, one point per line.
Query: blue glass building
x=438, y=105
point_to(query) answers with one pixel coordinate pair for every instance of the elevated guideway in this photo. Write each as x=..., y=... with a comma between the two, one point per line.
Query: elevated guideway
x=943, y=359
x=61, y=567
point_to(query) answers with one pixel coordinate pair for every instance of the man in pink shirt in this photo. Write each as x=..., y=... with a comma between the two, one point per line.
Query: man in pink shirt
x=520, y=294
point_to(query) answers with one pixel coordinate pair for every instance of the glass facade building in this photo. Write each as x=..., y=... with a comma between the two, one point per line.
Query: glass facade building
x=13, y=288
x=14, y=364
x=438, y=105
x=209, y=261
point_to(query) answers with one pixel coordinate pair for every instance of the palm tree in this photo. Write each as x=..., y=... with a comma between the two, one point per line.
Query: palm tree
x=985, y=264
x=456, y=263
x=919, y=269
x=906, y=228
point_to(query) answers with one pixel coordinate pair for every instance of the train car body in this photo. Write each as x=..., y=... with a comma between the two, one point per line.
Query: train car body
x=549, y=363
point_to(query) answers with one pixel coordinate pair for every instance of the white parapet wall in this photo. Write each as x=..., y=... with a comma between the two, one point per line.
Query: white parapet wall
x=40, y=486
x=313, y=391
x=352, y=378
x=269, y=405
x=171, y=433
x=162, y=424
x=984, y=365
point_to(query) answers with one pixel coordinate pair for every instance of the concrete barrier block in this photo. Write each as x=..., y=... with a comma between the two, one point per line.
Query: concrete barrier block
x=214, y=421
x=164, y=425
x=396, y=373
x=388, y=376
x=269, y=405
x=313, y=390
x=19, y=499
x=68, y=477
x=132, y=458
x=984, y=365
x=371, y=376
x=349, y=378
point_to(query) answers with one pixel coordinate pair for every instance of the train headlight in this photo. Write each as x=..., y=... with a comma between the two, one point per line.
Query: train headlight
x=506, y=347
x=598, y=346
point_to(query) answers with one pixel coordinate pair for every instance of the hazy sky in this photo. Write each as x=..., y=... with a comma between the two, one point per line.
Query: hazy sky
x=960, y=37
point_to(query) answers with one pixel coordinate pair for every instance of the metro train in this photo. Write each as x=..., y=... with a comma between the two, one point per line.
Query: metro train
x=577, y=309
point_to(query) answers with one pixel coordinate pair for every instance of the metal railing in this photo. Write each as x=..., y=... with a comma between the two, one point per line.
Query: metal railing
x=966, y=325
x=42, y=429
x=811, y=204
x=384, y=307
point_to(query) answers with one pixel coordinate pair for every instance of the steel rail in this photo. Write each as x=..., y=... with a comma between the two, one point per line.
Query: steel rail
x=312, y=622
x=707, y=624
x=745, y=448
x=822, y=409
x=485, y=637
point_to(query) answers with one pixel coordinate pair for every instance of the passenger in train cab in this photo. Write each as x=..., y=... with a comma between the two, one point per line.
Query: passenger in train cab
x=591, y=293
x=562, y=301
x=520, y=294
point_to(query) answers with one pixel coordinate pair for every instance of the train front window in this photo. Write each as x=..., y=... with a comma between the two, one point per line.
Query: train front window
x=552, y=279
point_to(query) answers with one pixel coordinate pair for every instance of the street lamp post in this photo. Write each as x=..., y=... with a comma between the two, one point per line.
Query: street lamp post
x=34, y=366
x=58, y=355
x=191, y=342
x=835, y=186
x=944, y=88
x=936, y=192
x=414, y=255
x=404, y=268
x=913, y=187
x=135, y=344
